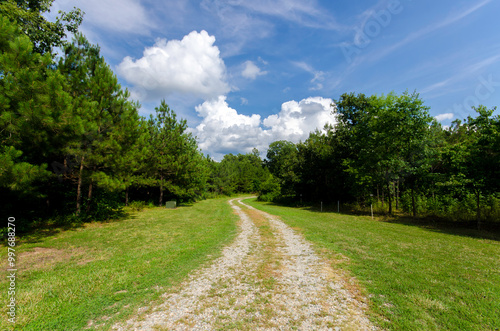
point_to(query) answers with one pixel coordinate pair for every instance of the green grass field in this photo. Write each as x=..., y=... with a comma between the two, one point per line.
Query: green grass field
x=103, y=272
x=416, y=278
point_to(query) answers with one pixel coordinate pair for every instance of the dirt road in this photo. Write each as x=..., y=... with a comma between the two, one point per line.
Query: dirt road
x=269, y=278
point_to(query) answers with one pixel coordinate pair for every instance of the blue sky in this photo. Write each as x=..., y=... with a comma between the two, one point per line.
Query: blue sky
x=246, y=73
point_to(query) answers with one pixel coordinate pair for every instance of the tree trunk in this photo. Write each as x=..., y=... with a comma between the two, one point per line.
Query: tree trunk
x=66, y=169
x=126, y=197
x=89, y=198
x=161, y=190
x=79, y=188
x=378, y=196
x=390, y=198
x=478, y=212
x=397, y=195
x=413, y=202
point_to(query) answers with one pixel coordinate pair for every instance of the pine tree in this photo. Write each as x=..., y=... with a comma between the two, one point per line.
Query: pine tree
x=34, y=114
x=174, y=163
x=100, y=107
x=44, y=35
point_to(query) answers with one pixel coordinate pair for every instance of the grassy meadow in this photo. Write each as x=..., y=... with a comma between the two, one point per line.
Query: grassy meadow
x=101, y=273
x=416, y=277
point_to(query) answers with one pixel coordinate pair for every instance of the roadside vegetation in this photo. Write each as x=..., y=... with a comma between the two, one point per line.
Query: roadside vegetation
x=101, y=273
x=417, y=277
x=389, y=152
x=75, y=149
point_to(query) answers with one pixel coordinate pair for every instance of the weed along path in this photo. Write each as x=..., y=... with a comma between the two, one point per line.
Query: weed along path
x=269, y=278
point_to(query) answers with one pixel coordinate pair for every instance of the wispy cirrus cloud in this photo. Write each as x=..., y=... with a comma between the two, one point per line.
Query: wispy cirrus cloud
x=318, y=75
x=447, y=21
x=124, y=16
x=463, y=73
x=242, y=22
x=307, y=13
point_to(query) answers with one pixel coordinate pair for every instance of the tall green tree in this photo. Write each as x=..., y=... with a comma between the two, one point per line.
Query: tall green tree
x=30, y=17
x=101, y=107
x=35, y=115
x=354, y=134
x=320, y=169
x=483, y=159
x=175, y=163
x=388, y=136
x=282, y=161
x=131, y=139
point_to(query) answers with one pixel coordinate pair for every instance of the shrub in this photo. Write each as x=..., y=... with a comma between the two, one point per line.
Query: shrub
x=137, y=205
x=270, y=190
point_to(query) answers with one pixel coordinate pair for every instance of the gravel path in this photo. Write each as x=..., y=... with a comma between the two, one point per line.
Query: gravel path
x=269, y=278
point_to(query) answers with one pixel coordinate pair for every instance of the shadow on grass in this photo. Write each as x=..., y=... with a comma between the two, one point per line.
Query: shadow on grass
x=184, y=205
x=489, y=230
x=51, y=227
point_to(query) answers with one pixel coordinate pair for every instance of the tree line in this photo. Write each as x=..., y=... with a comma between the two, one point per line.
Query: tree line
x=388, y=150
x=74, y=147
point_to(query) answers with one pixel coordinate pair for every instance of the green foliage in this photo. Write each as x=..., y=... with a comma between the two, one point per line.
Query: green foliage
x=174, y=162
x=72, y=141
x=17, y=175
x=282, y=161
x=106, y=124
x=44, y=35
x=389, y=147
x=242, y=173
x=321, y=168
x=462, y=209
x=33, y=107
x=270, y=190
x=137, y=205
x=389, y=137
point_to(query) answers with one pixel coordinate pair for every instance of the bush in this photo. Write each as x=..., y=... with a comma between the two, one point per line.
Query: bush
x=137, y=205
x=492, y=210
x=270, y=190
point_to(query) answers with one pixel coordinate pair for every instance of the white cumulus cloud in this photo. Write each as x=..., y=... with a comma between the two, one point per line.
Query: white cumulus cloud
x=297, y=119
x=443, y=117
x=251, y=71
x=190, y=66
x=223, y=130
